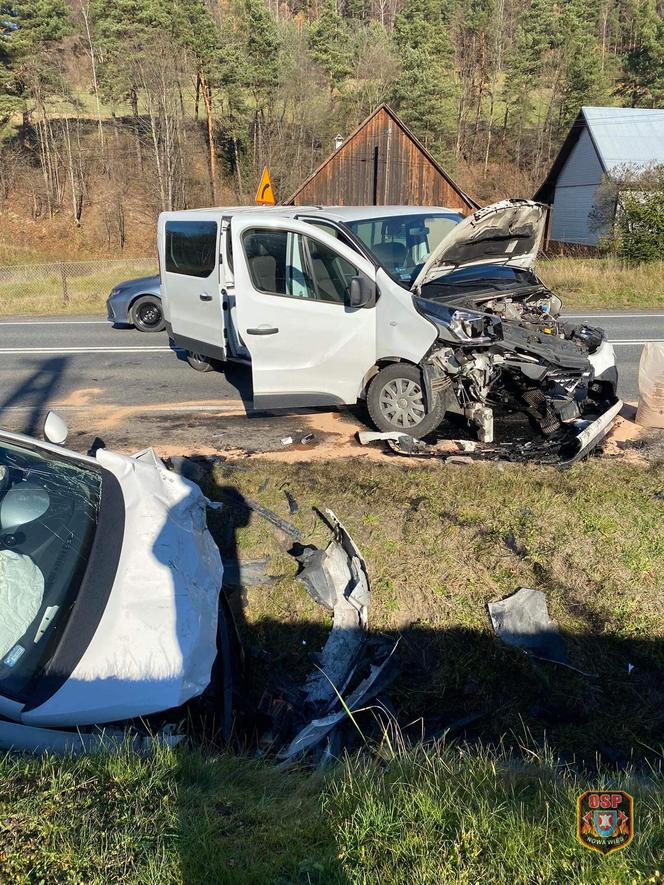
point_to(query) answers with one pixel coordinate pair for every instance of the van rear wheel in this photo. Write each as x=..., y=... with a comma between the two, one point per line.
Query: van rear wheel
x=199, y=362
x=396, y=402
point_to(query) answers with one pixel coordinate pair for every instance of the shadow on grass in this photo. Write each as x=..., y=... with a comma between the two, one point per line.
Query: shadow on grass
x=256, y=824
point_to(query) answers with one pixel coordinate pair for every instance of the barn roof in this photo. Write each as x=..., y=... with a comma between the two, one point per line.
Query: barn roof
x=621, y=137
x=339, y=152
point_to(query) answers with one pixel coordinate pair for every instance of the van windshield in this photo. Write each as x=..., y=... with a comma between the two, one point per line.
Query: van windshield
x=48, y=517
x=402, y=243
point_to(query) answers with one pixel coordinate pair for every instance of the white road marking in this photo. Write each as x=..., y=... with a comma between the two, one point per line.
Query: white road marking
x=631, y=342
x=54, y=323
x=47, y=351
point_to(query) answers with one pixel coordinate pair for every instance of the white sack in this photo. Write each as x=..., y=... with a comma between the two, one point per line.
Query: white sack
x=651, y=386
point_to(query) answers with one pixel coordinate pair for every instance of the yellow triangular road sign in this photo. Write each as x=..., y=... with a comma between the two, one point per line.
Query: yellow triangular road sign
x=265, y=193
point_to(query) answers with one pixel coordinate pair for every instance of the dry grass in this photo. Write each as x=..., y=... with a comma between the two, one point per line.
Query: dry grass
x=40, y=290
x=594, y=283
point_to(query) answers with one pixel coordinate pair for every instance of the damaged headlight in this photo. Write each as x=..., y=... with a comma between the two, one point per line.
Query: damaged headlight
x=460, y=325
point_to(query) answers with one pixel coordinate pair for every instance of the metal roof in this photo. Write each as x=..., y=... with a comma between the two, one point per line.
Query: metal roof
x=633, y=136
x=621, y=137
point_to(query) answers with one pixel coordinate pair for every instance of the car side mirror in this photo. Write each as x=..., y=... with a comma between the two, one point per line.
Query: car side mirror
x=362, y=292
x=55, y=429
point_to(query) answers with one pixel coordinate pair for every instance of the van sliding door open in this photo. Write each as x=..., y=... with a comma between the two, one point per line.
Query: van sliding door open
x=191, y=279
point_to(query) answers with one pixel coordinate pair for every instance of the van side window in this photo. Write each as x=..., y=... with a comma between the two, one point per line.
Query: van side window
x=191, y=247
x=285, y=263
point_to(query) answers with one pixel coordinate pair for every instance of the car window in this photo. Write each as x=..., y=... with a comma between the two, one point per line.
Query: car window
x=285, y=263
x=48, y=517
x=402, y=243
x=191, y=247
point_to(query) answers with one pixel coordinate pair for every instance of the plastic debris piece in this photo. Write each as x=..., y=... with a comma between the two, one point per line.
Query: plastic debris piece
x=286, y=527
x=247, y=573
x=522, y=620
x=309, y=437
x=286, y=440
x=293, y=506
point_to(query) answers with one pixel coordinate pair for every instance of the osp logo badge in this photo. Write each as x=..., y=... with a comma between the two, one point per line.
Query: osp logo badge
x=605, y=820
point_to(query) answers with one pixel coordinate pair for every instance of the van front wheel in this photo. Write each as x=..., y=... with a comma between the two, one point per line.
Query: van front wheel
x=396, y=402
x=199, y=362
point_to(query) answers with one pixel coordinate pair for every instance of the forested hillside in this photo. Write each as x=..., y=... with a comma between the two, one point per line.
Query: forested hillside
x=111, y=110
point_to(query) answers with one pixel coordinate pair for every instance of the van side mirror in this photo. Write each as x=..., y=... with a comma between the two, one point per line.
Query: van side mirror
x=55, y=429
x=362, y=292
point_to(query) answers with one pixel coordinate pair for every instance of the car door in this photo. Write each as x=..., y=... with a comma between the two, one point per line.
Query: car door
x=190, y=269
x=308, y=346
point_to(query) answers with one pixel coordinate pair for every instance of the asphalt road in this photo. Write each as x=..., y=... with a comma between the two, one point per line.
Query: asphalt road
x=87, y=369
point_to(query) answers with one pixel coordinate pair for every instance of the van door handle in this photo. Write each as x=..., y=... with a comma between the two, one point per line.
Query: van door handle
x=205, y=297
x=263, y=330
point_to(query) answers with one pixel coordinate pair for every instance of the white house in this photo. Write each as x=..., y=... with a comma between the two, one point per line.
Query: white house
x=601, y=142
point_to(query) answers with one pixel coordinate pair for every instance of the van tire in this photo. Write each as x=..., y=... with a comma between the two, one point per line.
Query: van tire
x=147, y=314
x=396, y=397
x=199, y=362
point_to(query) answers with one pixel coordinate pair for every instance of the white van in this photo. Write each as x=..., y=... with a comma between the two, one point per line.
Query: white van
x=416, y=309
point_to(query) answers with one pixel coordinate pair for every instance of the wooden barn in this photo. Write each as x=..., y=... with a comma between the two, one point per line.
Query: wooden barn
x=381, y=164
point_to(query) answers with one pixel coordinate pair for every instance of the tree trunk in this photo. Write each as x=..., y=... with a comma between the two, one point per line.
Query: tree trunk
x=212, y=150
x=95, y=84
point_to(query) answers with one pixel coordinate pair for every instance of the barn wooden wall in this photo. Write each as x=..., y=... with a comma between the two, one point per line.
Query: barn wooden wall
x=405, y=175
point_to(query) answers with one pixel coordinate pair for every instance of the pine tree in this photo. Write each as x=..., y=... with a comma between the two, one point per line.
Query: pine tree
x=330, y=45
x=642, y=80
x=425, y=91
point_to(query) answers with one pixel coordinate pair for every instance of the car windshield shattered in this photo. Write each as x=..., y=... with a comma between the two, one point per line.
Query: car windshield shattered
x=403, y=243
x=48, y=516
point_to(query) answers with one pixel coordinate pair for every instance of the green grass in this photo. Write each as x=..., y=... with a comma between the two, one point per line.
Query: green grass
x=437, y=540
x=434, y=538
x=595, y=283
x=26, y=291
x=443, y=814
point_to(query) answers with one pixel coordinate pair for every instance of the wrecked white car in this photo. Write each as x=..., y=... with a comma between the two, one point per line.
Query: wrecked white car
x=416, y=310
x=109, y=585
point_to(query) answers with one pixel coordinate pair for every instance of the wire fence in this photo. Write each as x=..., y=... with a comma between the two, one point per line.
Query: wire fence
x=66, y=286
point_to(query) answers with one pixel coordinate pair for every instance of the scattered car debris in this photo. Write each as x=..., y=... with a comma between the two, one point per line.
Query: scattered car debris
x=293, y=506
x=523, y=620
x=248, y=573
x=318, y=729
x=287, y=441
x=286, y=527
x=347, y=675
x=562, y=447
x=337, y=579
x=309, y=437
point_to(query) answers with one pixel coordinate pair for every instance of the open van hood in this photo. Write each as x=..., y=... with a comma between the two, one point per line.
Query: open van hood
x=508, y=232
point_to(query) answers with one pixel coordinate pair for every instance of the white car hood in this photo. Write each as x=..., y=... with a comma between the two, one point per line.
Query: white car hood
x=156, y=642
x=508, y=232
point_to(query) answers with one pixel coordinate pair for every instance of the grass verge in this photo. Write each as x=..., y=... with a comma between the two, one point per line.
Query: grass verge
x=441, y=541
x=437, y=814
x=596, y=283
x=582, y=283
x=39, y=290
